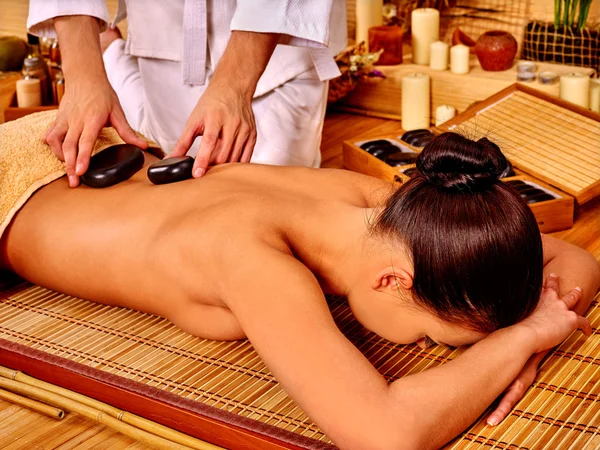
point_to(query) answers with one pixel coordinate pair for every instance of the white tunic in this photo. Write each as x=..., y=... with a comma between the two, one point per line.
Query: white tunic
x=178, y=43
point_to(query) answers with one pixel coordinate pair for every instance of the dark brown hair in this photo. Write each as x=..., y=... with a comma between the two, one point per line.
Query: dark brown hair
x=474, y=243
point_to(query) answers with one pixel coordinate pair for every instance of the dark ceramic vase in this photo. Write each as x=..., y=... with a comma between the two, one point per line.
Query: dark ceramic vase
x=496, y=50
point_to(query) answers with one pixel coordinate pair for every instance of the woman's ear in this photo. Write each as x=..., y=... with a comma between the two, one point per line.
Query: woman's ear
x=393, y=278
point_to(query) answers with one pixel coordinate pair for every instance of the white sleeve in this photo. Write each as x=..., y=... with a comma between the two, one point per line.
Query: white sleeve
x=41, y=13
x=306, y=22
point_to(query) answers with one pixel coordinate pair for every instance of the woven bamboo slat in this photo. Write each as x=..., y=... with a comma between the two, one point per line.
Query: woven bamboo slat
x=562, y=406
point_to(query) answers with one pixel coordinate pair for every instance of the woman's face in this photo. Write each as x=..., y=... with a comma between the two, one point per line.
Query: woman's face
x=403, y=322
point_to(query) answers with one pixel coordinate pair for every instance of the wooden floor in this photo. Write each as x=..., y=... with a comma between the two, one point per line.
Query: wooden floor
x=21, y=429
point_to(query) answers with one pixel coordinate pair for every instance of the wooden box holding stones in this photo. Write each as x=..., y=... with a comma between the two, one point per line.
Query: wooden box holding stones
x=388, y=157
x=553, y=145
x=393, y=158
x=550, y=139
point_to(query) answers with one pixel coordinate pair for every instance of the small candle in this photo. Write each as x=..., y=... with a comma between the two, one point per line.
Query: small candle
x=444, y=113
x=459, y=59
x=29, y=93
x=388, y=38
x=369, y=13
x=416, y=98
x=425, y=29
x=526, y=66
x=438, y=52
x=575, y=88
x=595, y=95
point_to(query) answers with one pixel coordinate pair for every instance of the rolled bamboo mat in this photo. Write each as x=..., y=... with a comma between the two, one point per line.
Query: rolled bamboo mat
x=227, y=381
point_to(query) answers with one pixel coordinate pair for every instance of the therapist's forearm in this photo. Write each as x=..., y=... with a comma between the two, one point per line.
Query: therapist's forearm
x=244, y=60
x=79, y=39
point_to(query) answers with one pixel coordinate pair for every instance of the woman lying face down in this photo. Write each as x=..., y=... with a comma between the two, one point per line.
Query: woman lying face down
x=453, y=256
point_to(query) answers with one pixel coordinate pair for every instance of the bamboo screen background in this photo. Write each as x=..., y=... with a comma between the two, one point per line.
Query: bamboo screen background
x=509, y=15
x=561, y=410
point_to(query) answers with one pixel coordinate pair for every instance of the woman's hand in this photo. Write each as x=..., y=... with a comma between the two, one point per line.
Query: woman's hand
x=516, y=390
x=86, y=107
x=552, y=321
x=223, y=117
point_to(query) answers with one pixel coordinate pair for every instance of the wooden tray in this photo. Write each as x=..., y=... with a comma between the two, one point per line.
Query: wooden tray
x=546, y=137
x=551, y=215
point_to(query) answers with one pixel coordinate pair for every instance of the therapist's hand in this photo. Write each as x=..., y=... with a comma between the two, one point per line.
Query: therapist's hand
x=89, y=103
x=223, y=117
x=85, y=109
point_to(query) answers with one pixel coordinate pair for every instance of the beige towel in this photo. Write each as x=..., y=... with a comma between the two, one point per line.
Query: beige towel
x=27, y=164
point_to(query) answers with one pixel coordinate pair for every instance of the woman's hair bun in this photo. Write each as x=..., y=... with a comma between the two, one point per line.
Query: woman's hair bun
x=453, y=162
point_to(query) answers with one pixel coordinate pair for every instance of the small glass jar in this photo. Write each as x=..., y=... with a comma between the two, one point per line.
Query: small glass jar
x=58, y=86
x=55, y=53
x=34, y=67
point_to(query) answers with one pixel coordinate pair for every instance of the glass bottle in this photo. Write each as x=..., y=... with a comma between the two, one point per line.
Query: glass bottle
x=58, y=86
x=34, y=67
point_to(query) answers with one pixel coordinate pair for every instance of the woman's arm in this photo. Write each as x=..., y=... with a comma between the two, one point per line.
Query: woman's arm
x=574, y=267
x=284, y=314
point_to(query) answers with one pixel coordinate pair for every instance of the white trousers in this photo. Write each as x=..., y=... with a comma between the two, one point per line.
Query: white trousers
x=289, y=119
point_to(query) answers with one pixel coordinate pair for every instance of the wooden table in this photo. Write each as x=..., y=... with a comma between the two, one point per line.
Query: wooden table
x=23, y=429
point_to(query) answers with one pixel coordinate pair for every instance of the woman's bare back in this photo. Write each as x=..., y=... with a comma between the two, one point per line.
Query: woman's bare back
x=147, y=247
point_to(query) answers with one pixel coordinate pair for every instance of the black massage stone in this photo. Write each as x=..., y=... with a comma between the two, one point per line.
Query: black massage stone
x=374, y=144
x=383, y=152
x=543, y=197
x=401, y=159
x=418, y=138
x=113, y=165
x=171, y=170
x=410, y=134
x=522, y=186
x=526, y=193
x=421, y=141
x=516, y=183
x=410, y=172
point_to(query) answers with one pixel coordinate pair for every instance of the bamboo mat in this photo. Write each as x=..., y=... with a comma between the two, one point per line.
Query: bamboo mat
x=228, y=381
x=553, y=143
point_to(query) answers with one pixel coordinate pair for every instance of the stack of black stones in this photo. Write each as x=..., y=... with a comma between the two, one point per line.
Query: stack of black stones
x=530, y=192
x=392, y=154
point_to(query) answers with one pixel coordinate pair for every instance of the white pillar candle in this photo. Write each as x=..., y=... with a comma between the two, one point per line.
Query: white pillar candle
x=575, y=88
x=595, y=95
x=416, y=99
x=29, y=93
x=438, y=59
x=369, y=13
x=459, y=59
x=425, y=29
x=444, y=113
